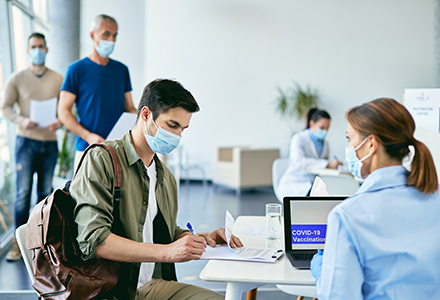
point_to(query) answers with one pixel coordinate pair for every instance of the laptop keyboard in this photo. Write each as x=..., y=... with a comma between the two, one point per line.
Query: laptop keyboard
x=302, y=256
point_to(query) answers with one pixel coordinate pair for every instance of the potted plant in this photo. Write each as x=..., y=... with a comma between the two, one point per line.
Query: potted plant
x=294, y=102
x=66, y=155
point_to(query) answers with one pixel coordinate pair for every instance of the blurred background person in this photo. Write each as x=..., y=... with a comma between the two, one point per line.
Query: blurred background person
x=308, y=150
x=36, y=149
x=99, y=86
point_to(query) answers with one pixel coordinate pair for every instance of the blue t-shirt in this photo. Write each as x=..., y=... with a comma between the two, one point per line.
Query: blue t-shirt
x=99, y=94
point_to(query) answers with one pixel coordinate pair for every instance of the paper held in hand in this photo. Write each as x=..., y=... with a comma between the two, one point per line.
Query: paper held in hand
x=43, y=112
x=268, y=255
x=125, y=122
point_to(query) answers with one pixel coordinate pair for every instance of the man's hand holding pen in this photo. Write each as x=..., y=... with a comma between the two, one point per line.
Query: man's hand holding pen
x=191, y=246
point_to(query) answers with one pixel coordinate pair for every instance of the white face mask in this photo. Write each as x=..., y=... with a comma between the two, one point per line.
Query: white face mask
x=38, y=56
x=164, y=142
x=354, y=163
x=105, y=48
x=320, y=134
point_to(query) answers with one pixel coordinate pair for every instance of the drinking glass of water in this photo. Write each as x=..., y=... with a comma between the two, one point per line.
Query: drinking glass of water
x=273, y=221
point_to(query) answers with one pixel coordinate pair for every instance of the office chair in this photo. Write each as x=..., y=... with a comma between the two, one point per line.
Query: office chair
x=279, y=166
x=20, y=235
x=305, y=291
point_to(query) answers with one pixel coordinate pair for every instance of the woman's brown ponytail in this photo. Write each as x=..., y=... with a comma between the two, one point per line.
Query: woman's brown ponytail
x=394, y=126
x=423, y=175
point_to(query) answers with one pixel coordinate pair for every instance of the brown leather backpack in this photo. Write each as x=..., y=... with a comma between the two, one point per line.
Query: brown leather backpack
x=60, y=272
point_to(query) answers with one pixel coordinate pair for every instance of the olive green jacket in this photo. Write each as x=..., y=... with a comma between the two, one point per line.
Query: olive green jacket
x=93, y=188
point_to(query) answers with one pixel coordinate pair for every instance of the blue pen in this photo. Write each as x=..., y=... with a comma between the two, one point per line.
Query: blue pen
x=191, y=229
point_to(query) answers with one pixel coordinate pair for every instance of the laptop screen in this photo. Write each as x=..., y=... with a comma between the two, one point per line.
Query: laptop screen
x=305, y=221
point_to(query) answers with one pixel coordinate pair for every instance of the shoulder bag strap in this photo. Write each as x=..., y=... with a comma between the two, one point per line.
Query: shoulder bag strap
x=118, y=178
x=115, y=159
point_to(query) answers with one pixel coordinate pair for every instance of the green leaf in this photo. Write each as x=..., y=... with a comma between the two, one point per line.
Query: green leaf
x=282, y=103
x=295, y=101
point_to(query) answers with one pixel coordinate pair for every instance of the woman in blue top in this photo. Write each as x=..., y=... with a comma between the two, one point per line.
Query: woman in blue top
x=384, y=242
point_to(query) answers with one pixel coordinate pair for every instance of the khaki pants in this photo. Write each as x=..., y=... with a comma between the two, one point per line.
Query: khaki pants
x=159, y=289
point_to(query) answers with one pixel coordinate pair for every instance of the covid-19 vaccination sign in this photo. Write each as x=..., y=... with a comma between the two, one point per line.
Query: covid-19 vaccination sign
x=308, y=234
x=424, y=106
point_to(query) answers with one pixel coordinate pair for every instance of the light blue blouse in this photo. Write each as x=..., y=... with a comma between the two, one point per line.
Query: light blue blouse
x=383, y=243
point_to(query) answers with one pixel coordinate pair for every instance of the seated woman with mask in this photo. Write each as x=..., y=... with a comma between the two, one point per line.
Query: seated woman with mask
x=383, y=242
x=308, y=150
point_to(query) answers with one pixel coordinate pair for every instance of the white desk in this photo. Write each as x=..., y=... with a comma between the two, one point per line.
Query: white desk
x=244, y=276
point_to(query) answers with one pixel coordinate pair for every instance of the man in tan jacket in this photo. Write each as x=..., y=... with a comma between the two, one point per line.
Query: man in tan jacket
x=36, y=149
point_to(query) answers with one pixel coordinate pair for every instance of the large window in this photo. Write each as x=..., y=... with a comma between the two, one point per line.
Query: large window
x=18, y=19
x=21, y=28
x=40, y=9
x=26, y=3
x=1, y=68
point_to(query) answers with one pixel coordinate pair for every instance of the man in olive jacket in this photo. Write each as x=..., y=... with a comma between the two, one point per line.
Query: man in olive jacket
x=149, y=241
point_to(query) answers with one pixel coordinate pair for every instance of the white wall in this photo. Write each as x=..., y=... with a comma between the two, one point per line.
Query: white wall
x=232, y=54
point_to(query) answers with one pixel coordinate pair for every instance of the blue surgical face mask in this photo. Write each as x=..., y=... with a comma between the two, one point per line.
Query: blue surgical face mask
x=164, y=142
x=354, y=163
x=320, y=134
x=105, y=48
x=38, y=56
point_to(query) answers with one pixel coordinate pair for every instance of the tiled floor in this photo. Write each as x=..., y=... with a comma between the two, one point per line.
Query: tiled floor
x=204, y=207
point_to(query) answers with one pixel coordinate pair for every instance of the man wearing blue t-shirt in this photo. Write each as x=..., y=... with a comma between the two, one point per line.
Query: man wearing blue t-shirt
x=99, y=86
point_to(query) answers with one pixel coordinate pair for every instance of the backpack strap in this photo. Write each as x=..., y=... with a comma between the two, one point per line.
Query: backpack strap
x=118, y=180
x=117, y=225
x=115, y=159
x=118, y=170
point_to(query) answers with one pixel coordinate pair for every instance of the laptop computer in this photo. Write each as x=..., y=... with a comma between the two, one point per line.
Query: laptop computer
x=305, y=225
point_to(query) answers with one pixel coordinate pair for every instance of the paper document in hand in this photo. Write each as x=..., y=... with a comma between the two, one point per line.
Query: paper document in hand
x=229, y=224
x=243, y=253
x=125, y=122
x=43, y=112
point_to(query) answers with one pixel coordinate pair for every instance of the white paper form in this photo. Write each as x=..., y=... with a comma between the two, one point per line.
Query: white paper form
x=319, y=188
x=229, y=225
x=43, y=112
x=241, y=254
x=125, y=123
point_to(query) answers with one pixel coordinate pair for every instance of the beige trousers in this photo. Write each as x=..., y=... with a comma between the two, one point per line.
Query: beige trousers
x=159, y=289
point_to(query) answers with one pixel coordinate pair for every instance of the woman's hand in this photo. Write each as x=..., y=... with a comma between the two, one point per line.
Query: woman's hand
x=334, y=164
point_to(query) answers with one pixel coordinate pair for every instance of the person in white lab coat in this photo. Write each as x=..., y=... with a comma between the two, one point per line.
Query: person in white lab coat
x=308, y=150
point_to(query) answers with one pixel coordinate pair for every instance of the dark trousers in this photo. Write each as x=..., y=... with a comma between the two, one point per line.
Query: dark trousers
x=32, y=156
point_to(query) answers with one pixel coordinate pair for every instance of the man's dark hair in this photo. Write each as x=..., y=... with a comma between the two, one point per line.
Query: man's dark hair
x=38, y=36
x=162, y=95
